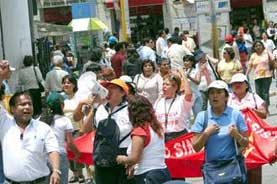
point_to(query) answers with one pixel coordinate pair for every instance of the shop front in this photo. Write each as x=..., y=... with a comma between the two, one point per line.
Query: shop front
x=146, y=18
x=245, y=11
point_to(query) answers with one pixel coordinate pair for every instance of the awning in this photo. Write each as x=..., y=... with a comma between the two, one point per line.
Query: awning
x=87, y=24
x=136, y=3
x=47, y=29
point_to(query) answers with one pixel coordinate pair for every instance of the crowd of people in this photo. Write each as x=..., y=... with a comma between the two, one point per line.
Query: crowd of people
x=156, y=92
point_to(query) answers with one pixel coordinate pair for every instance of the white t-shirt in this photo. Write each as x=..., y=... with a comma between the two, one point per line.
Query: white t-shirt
x=269, y=45
x=61, y=126
x=153, y=156
x=69, y=107
x=150, y=87
x=178, y=112
x=122, y=119
x=176, y=53
x=146, y=53
x=160, y=45
x=250, y=100
x=53, y=80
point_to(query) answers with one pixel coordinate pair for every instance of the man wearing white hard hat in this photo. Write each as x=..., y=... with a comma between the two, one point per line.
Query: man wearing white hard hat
x=218, y=128
x=241, y=98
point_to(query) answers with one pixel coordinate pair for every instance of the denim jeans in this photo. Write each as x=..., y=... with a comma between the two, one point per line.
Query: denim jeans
x=262, y=87
x=156, y=176
x=2, y=176
x=64, y=168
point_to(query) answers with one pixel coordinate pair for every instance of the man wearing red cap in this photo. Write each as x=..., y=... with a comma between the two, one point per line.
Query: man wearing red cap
x=230, y=42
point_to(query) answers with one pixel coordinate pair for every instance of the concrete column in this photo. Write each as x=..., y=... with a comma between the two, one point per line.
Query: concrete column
x=16, y=33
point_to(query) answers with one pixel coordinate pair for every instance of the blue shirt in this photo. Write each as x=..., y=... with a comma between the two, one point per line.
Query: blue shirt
x=220, y=146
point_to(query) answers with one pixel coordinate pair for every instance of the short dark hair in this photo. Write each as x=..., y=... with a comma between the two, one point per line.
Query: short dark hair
x=172, y=40
x=93, y=67
x=186, y=32
x=176, y=29
x=161, y=32
x=95, y=54
x=2, y=91
x=166, y=30
x=145, y=41
x=144, y=62
x=191, y=59
x=256, y=42
x=15, y=96
x=73, y=80
x=28, y=60
x=119, y=46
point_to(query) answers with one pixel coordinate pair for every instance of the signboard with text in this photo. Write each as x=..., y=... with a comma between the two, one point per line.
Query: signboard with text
x=204, y=6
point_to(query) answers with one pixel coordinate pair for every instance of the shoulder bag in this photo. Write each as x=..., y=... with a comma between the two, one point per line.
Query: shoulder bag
x=41, y=87
x=231, y=171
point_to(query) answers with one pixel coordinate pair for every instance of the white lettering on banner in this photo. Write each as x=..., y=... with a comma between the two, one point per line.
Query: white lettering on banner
x=180, y=149
x=167, y=152
x=256, y=128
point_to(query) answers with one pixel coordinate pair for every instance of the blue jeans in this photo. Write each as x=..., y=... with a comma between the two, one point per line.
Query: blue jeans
x=156, y=176
x=2, y=176
x=64, y=168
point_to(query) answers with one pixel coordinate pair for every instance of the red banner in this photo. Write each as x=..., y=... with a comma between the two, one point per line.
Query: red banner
x=183, y=161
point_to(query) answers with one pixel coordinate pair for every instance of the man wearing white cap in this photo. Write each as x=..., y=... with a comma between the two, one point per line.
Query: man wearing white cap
x=217, y=128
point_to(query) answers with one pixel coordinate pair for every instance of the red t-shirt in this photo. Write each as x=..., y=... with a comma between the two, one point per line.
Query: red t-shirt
x=117, y=63
x=143, y=132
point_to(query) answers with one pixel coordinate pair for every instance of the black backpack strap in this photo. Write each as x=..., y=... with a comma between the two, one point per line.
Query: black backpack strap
x=205, y=120
x=120, y=108
x=217, y=76
x=125, y=137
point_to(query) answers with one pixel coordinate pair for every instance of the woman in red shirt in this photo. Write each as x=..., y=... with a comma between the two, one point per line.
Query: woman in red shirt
x=146, y=158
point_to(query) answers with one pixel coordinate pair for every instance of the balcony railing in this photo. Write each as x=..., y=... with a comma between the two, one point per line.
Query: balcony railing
x=60, y=3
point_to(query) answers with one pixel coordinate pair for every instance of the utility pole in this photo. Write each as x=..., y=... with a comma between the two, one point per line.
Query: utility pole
x=2, y=35
x=123, y=21
x=214, y=30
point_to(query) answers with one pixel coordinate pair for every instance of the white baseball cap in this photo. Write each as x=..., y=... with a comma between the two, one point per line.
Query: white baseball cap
x=238, y=77
x=126, y=78
x=218, y=84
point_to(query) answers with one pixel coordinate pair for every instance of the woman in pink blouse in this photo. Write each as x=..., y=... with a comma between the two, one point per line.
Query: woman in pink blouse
x=259, y=60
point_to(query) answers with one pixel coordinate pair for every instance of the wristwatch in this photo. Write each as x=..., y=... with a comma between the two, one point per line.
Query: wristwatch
x=57, y=171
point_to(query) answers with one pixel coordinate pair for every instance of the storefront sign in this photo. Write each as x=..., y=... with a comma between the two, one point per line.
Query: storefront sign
x=84, y=10
x=204, y=6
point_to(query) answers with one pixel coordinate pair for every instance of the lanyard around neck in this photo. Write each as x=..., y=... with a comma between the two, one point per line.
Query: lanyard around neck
x=166, y=113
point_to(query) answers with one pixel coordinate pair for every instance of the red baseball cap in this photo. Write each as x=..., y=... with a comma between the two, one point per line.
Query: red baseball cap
x=229, y=38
